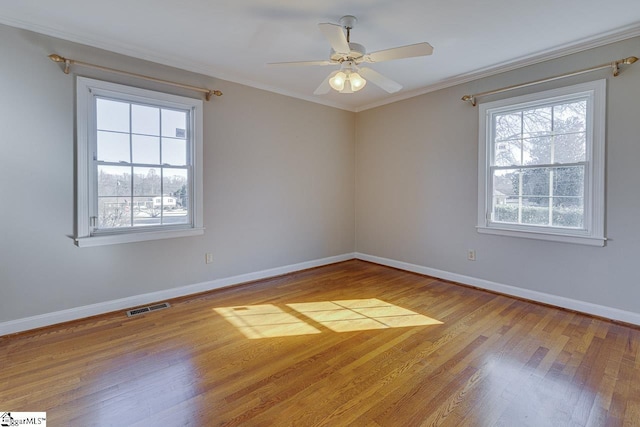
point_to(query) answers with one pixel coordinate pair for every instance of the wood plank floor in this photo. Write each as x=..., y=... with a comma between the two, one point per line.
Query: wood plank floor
x=352, y=343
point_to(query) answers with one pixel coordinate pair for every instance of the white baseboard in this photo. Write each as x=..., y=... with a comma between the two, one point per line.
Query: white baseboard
x=75, y=313
x=555, y=300
x=47, y=319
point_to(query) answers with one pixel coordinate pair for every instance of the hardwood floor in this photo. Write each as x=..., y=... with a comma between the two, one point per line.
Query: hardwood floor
x=377, y=347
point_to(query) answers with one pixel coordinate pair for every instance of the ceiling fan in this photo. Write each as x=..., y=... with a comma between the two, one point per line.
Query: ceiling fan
x=351, y=77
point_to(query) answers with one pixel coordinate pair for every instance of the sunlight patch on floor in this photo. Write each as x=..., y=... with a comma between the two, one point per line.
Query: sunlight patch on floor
x=361, y=314
x=265, y=321
x=268, y=320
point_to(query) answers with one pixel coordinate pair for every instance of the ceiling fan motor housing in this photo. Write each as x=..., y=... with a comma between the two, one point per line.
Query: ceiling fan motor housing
x=357, y=51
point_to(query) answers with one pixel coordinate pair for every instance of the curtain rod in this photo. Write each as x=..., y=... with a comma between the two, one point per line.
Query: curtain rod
x=615, y=67
x=68, y=62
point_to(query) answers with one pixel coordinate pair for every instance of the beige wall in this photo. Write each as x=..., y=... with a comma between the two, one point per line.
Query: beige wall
x=288, y=181
x=417, y=186
x=278, y=183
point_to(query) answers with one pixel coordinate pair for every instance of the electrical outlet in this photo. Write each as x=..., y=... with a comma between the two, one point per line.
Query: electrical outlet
x=471, y=255
x=208, y=258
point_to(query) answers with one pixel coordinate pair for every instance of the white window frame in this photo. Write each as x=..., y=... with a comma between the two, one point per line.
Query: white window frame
x=593, y=231
x=87, y=91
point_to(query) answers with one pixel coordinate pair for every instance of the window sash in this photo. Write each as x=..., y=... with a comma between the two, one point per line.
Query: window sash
x=551, y=196
x=96, y=229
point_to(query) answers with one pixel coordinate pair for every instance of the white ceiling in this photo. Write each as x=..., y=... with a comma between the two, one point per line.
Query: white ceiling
x=234, y=40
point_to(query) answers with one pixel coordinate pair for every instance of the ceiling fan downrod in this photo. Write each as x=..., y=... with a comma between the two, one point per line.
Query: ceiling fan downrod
x=348, y=22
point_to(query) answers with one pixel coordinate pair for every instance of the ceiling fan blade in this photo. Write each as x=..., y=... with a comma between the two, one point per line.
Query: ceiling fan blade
x=325, y=87
x=379, y=80
x=335, y=34
x=298, y=63
x=410, y=51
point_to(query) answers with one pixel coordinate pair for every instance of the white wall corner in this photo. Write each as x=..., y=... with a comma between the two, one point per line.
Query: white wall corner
x=48, y=319
x=535, y=296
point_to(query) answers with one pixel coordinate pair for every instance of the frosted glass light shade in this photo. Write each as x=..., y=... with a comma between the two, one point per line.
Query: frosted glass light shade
x=337, y=81
x=357, y=82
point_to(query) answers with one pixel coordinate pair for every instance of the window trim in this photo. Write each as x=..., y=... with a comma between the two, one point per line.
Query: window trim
x=87, y=90
x=593, y=233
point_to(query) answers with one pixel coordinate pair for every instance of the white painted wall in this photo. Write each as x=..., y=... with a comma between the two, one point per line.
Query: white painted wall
x=278, y=181
x=416, y=189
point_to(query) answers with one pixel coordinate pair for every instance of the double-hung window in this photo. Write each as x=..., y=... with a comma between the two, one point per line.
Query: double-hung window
x=541, y=165
x=139, y=170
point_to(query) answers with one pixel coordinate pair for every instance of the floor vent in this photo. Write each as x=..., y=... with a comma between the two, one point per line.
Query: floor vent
x=142, y=310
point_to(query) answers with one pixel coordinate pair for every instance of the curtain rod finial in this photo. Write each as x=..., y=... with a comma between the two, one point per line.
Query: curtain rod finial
x=209, y=94
x=56, y=58
x=470, y=98
x=630, y=60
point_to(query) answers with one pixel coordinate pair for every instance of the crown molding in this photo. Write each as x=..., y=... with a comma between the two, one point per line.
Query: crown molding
x=158, y=58
x=558, y=51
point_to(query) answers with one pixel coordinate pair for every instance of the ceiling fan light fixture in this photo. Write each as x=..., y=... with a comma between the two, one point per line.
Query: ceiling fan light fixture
x=337, y=82
x=356, y=81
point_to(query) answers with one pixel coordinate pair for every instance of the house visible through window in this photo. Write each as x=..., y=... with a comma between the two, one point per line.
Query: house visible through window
x=139, y=164
x=542, y=165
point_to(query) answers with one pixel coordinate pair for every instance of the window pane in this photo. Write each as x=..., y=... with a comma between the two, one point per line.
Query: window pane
x=112, y=115
x=174, y=123
x=146, y=149
x=571, y=117
x=114, y=181
x=113, y=147
x=537, y=122
x=535, y=182
x=145, y=120
x=147, y=211
x=568, y=212
x=175, y=179
x=176, y=189
x=113, y=212
x=174, y=151
x=146, y=189
x=114, y=195
x=570, y=148
x=507, y=126
x=506, y=183
x=568, y=181
x=537, y=150
x=146, y=182
x=508, y=153
x=506, y=213
x=569, y=124
x=535, y=210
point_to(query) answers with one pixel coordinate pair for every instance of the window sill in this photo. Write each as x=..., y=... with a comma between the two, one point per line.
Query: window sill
x=553, y=237
x=141, y=236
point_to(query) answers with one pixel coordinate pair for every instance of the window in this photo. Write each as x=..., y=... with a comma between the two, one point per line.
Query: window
x=541, y=165
x=139, y=171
